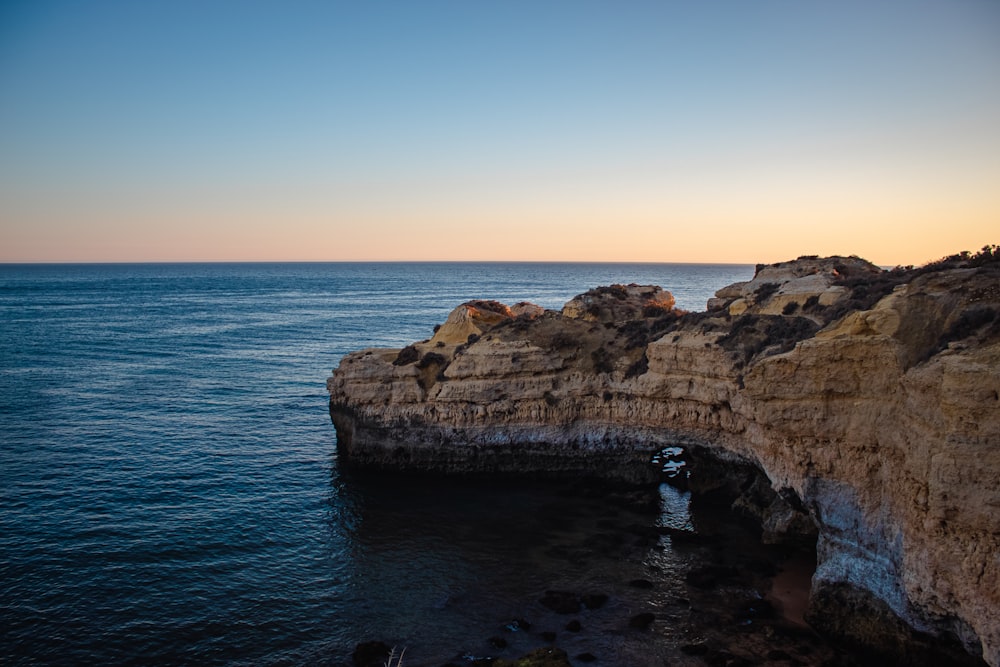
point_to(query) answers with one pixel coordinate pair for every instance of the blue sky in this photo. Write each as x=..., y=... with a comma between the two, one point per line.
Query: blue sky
x=645, y=131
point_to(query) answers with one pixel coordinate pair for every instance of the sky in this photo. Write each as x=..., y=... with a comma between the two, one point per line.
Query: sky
x=535, y=130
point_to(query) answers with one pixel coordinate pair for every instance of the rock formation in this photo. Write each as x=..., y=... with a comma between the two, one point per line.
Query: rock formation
x=868, y=399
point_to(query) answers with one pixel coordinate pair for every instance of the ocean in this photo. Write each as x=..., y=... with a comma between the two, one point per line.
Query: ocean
x=170, y=490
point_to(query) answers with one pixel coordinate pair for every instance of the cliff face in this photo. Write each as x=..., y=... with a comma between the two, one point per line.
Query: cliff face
x=869, y=399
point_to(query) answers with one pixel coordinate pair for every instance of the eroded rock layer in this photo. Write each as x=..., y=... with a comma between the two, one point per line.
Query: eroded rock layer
x=870, y=400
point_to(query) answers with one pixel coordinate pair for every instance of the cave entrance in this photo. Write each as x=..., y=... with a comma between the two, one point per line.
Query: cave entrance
x=765, y=535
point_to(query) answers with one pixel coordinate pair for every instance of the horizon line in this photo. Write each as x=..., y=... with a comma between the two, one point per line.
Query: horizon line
x=355, y=261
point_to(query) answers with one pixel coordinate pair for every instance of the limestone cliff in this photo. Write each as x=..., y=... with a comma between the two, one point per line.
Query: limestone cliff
x=870, y=399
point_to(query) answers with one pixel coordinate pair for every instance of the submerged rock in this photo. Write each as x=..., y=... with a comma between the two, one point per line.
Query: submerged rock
x=594, y=600
x=543, y=657
x=868, y=400
x=641, y=621
x=371, y=654
x=561, y=602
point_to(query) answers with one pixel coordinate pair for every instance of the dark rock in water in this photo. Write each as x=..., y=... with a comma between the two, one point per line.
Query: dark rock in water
x=641, y=583
x=727, y=659
x=594, y=600
x=498, y=642
x=641, y=621
x=586, y=657
x=542, y=657
x=700, y=648
x=518, y=625
x=548, y=637
x=371, y=654
x=573, y=626
x=561, y=602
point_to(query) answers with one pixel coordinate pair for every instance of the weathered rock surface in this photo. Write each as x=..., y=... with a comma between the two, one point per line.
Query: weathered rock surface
x=869, y=399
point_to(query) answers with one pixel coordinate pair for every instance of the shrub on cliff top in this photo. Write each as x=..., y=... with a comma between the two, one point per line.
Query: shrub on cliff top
x=970, y=322
x=636, y=334
x=764, y=292
x=431, y=359
x=655, y=309
x=638, y=368
x=407, y=355
x=640, y=333
x=563, y=339
x=750, y=335
x=989, y=254
x=617, y=291
x=866, y=289
x=602, y=360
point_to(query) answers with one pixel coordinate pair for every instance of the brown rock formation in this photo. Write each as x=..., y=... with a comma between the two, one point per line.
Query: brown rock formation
x=869, y=399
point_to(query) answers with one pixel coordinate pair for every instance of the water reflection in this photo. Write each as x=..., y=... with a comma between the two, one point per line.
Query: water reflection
x=445, y=566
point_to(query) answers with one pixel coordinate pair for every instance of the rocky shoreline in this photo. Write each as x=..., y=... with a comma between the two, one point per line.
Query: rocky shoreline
x=866, y=401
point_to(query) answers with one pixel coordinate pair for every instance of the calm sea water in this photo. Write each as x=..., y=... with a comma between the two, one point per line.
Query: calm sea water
x=169, y=487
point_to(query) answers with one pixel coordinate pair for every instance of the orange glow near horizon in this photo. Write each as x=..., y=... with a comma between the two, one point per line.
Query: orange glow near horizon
x=744, y=227
x=706, y=240
x=660, y=133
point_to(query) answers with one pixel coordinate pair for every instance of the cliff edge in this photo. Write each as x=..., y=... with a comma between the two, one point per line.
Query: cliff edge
x=868, y=399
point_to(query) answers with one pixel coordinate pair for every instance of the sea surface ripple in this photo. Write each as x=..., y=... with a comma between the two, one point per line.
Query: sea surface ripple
x=168, y=476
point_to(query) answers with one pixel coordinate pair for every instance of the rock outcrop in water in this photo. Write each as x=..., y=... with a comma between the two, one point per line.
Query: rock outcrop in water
x=869, y=400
